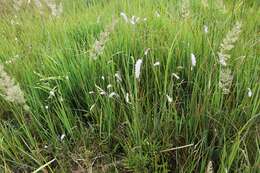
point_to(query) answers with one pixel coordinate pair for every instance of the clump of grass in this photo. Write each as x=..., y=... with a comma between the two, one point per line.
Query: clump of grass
x=150, y=100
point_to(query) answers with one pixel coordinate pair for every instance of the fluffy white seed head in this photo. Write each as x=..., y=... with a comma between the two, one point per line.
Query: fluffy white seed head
x=249, y=92
x=138, y=65
x=169, y=99
x=156, y=64
x=209, y=168
x=118, y=76
x=113, y=94
x=146, y=51
x=62, y=137
x=206, y=29
x=127, y=98
x=193, y=60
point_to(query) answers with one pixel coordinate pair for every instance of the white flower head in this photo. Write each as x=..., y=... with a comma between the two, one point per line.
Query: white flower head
x=134, y=20
x=157, y=14
x=124, y=16
x=118, y=76
x=109, y=86
x=62, y=137
x=206, y=29
x=169, y=99
x=52, y=93
x=249, y=93
x=127, y=98
x=156, y=64
x=193, y=60
x=146, y=51
x=210, y=168
x=113, y=94
x=103, y=93
x=138, y=65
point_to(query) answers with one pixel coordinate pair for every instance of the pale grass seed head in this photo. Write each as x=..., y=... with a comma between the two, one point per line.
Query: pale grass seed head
x=99, y=45
x=127, y=98
x=169, y=99
x=249, y=92
x=209, y=168
x=56, y=10
x=17, y=4
x=138, y=65
x=228, y=44
x=226, y=79
x=226, y=76
x=10, y=91
x=156, y=64
x=193, y=60
x=185, y=9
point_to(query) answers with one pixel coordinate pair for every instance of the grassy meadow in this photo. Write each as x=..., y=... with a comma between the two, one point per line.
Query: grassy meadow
x=130, y=86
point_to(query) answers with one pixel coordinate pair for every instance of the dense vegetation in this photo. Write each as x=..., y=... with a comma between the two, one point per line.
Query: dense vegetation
x=130, y=86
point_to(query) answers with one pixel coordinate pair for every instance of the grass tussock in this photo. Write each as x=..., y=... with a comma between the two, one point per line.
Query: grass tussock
x=129, y=86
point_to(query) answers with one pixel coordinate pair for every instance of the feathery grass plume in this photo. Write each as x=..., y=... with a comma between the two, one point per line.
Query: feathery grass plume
x=56, y=10
x=226, y=79
x=99, y=45
x=226, y=76
x=228, y=44
x=17, y=4
x=185, y=9
x=11, y=91
x=39, y=6
x=209, y=168
x=138, y=65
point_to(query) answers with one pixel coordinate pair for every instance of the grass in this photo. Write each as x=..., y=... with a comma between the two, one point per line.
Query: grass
x=145, y=132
